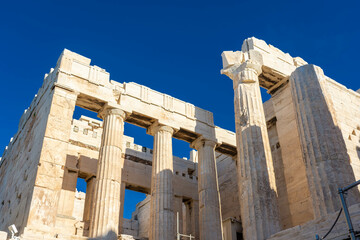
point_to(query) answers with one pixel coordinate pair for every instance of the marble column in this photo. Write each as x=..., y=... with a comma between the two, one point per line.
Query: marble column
x=210, y=222
x=191, y=216
x=178, y=208
x=195, y=219
x=107, y=199
x=187, y=224
x=122, y=200
x=90, y=187
x=326, y=158
x=257, y=190
x=162, y=215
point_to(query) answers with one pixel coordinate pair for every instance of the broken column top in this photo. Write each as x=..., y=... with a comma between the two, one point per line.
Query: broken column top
x=276, y=65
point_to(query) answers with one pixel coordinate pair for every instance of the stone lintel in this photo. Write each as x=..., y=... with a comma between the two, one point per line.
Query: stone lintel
x=142, y=105
x=278, y=86
x=64, y=87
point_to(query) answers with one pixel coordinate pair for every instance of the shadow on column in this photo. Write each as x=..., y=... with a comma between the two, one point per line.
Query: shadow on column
x=165, y=221
x=263, y=212
x=207, y=207
x=278, y=166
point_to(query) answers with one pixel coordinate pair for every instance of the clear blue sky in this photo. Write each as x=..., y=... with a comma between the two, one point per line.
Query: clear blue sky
x=172, y=46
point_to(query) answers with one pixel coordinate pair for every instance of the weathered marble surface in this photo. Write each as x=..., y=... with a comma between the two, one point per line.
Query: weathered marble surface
x=3, y=235
x=51, y=150
x=162, y=192
x=327, y=161
x=321, y=226
x=210, y=221
x=257, y=188
x=105, y=214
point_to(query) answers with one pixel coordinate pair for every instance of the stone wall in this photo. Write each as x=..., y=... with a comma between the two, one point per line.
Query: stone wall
x=346, y=104
x=20, y=161
x=293, y=192
x=79, y=204
x=228, y=186
x=321, y=226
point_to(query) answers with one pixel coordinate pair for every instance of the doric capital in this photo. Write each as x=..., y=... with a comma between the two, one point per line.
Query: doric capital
x=252, y=65
x=202, y=142
x=247, y=72
x=111, y=110
x=248, y=75
x=157, y=127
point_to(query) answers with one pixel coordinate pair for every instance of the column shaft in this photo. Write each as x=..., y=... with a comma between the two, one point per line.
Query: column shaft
x=107, y=199
x=195, y=219
x=90, y=187
x=259, y=210
x=178, y=208
x=209, y=199
x=327, y=162
x=122, y=199
x=191, y=222
x=162, y=193
x=187, y=223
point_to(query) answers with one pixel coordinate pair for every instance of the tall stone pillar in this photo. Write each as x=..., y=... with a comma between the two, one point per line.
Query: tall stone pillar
x=89, y=197
x=259, y=210
x=187, y=224
x=107, y=199
x=191, y=222
x=178, y=208
x=90, y=187
x=195, y=219
x=209, y=198
x=162, y=192
x=326, y=159
x=122, y=200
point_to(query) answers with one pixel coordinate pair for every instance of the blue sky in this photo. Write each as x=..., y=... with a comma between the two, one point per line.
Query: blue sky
x=172, y=46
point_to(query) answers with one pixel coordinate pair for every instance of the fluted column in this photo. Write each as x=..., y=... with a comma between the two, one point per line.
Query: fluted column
x=122, y=200
x=178, y=208
x=195, y=219
x=162, y=193
x=107, y=199
x=210, y=222
x=191, y=218
x=90, y=187
x=259, y=210
x=327, y=162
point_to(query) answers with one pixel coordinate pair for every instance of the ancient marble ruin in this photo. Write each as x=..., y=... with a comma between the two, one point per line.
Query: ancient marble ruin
x=276, y=178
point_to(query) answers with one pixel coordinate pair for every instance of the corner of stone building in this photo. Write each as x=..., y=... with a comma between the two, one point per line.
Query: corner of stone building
x=66, y=53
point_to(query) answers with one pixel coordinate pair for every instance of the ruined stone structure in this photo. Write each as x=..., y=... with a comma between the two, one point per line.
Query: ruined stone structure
x=276, y=178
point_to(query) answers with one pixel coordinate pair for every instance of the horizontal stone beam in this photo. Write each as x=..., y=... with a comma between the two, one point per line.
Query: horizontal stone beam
x=143, y=105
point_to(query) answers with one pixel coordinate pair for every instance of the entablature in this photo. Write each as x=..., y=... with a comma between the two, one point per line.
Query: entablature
x=143, y=106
